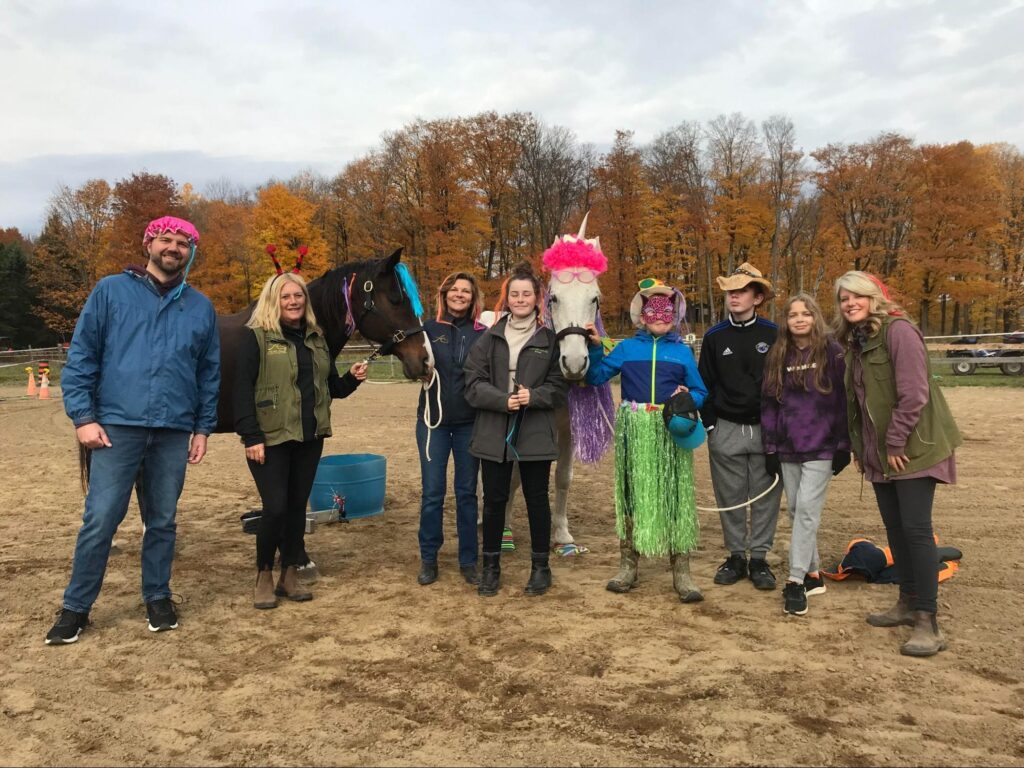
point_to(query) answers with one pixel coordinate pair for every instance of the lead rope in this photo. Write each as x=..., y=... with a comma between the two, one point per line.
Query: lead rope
x=426, y=408
x=761, y=495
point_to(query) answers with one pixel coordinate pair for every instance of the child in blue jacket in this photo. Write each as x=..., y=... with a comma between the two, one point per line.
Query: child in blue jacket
x=655, y=512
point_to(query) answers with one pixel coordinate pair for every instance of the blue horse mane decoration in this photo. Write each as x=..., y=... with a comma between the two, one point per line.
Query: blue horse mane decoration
x=408, y=284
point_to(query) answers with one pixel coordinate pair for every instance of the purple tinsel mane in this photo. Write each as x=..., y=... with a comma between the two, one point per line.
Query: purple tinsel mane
x=592, y=434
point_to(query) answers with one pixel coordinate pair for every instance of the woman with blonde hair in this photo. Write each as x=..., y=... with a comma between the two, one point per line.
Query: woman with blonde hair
x=444, y=426
x=284, y=383
x=903, y=438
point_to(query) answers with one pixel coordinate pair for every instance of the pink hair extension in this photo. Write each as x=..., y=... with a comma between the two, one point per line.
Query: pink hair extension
x=569, y=254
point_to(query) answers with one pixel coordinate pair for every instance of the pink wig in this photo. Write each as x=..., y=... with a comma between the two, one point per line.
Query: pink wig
x=574, y=254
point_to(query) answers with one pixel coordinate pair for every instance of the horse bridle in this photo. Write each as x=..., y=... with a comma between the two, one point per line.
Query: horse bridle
x=369, y=307
x=572, y=330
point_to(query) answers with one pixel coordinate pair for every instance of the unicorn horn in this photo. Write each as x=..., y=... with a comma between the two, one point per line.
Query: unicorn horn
x=583, y=226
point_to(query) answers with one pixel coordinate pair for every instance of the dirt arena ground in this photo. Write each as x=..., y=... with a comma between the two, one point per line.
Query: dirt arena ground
x=380, y=671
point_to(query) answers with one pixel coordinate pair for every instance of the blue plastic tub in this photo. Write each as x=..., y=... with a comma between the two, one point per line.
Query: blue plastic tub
x=360, y=477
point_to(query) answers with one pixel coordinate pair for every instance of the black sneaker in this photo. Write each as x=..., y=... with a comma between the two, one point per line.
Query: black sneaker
x=761, y=574
x=795, y=599
x=162, y=615
x=814, y=585
x=69, y=626
x=732, y=570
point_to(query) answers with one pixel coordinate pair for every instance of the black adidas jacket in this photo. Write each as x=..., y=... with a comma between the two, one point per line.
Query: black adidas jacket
x=731, y=363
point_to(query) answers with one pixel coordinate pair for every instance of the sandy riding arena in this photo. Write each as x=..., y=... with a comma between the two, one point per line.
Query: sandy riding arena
x=378, y=670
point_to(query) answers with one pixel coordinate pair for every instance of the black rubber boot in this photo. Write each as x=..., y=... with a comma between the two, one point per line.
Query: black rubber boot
x=491, y=576
x=540, y=574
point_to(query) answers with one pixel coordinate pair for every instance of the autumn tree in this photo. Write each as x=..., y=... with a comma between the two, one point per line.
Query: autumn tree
x=138, y=200
x=60, y=279
x=287, y=220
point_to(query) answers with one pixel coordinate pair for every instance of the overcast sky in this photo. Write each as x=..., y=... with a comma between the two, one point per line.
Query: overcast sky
x=260, y=88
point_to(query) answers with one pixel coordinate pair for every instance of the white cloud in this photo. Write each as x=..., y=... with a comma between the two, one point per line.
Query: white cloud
x=317, y=82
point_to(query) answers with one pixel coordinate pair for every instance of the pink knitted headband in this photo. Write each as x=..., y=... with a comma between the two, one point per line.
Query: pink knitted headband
x=157, y=227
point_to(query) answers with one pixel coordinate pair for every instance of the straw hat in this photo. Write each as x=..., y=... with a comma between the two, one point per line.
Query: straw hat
x=745, y=274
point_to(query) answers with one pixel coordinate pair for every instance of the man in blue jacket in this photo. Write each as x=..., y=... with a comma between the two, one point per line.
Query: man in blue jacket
x=140, y=386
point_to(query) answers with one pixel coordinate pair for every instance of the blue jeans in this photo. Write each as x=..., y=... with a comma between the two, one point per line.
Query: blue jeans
x=444, y=441
x=163, y=455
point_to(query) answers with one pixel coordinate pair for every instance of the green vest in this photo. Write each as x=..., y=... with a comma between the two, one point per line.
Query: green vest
x=278, y=400
x=935, y=435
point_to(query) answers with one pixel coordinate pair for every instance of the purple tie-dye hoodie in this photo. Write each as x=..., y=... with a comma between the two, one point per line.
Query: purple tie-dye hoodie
x=807, y=425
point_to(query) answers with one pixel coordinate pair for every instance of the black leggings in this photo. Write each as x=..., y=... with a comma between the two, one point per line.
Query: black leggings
x=906, y=507
x=284, y=481
x=497, y=477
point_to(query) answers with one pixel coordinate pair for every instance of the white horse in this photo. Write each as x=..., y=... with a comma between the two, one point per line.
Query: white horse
x=585, y=425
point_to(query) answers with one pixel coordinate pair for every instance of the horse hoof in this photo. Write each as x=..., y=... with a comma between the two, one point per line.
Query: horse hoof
x=308, y=573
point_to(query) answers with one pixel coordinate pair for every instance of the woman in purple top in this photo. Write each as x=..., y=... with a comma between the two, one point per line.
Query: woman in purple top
x=804, y=432
x=903, y=437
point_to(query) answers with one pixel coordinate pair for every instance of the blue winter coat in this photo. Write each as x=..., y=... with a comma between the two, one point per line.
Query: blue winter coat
x=145, y=360
x=651, y=368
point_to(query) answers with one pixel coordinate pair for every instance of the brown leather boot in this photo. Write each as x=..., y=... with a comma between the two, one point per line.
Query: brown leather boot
x=926, y=639
x=899, y=615
x=289, y=586
x=264, y=595
x=628, y=566
x=685, y=588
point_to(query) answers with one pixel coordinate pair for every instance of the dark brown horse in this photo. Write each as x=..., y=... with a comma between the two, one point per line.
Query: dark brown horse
x=367, y=296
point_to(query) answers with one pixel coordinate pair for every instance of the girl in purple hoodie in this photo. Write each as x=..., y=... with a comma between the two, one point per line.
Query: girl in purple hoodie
x=805, y=434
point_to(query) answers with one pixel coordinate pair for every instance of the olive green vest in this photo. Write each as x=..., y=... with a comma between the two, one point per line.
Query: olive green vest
x=935, y=435
x=278, y=400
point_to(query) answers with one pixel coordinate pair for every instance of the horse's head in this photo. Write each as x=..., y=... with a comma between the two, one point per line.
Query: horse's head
x=572, y=304
x=386, y=308
x=573, y=296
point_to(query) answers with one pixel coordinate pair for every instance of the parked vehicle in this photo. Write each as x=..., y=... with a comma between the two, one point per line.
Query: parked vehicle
x=969, y=360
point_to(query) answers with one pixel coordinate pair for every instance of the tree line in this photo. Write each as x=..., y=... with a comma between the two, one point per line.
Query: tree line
x=942, y=224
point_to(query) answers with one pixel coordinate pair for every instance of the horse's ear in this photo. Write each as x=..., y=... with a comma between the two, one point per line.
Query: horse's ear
x=393, y=260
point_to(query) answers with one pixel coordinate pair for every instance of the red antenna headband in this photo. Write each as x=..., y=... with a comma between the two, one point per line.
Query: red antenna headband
x=272, y=251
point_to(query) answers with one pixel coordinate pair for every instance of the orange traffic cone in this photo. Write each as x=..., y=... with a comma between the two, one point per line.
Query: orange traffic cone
x=31, y=391
x=44, y=387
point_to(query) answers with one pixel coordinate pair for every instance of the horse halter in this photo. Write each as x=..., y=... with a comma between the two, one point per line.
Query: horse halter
x=369, y=307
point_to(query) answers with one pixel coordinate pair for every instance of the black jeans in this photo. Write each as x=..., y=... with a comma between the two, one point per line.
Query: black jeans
x=497, y=477
x=906, y=507
x=284, y=481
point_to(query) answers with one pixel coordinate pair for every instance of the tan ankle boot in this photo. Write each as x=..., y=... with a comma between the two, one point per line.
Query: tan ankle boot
x=288, y=586
x=264, y=595
x=899, y=615
x=628, y=564
x=685, y=588
x=926, y=639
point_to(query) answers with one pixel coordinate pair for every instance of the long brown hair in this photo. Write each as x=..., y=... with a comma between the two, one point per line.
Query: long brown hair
x=448, y=283
x=784, y=348
x=522, y=271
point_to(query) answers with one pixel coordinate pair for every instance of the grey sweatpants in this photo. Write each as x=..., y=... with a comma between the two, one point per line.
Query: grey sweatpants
x=806, y=486
x=738, y=474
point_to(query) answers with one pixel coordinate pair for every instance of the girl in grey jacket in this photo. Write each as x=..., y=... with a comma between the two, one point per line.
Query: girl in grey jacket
x=514, y=381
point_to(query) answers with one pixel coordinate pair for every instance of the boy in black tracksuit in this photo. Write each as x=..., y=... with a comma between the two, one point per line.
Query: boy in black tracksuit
x=732, y=357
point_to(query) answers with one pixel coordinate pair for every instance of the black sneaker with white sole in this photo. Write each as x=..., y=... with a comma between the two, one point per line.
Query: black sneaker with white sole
x=814, y=585
x=69, y=626
x=795, y=599
x=162, y=615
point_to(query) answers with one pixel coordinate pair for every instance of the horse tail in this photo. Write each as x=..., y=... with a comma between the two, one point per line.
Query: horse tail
x=84, y=459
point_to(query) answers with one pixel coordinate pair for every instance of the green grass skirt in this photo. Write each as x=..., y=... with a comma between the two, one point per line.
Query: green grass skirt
x=653, y=485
